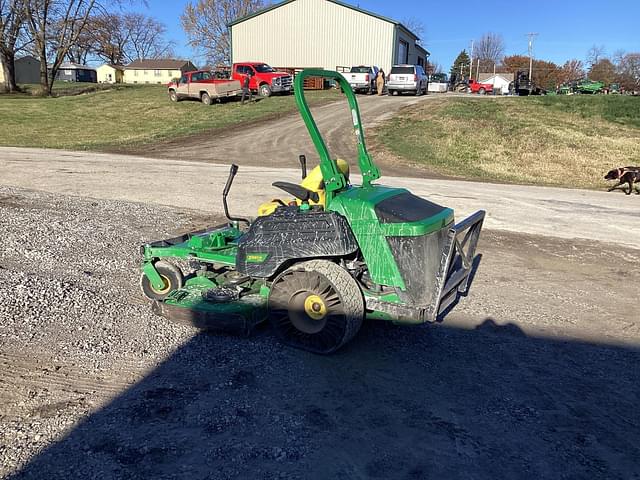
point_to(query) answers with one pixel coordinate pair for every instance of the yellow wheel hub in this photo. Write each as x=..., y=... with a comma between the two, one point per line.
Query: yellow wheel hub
x=165, y=289
x=314, y=307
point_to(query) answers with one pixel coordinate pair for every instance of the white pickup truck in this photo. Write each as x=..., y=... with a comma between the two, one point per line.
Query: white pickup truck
x=362, y=79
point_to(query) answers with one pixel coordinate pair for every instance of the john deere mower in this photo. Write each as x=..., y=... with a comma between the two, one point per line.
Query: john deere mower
x=317, y=264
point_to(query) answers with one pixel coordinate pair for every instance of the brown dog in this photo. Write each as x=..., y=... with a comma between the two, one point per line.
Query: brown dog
x=628, y=175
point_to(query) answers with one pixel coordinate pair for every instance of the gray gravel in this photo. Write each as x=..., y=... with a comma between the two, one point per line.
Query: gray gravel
x=92, y=385
x=69, y=277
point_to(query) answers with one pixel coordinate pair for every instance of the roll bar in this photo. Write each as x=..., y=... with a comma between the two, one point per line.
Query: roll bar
x=333, y=178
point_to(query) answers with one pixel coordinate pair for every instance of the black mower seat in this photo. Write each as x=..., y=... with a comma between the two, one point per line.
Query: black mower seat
x=297, y=191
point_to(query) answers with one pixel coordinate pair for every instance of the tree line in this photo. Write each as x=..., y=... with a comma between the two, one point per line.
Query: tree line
x=488, y=55
x=55, y=31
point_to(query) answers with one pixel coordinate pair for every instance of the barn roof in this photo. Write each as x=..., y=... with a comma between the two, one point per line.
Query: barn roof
x=159, y=64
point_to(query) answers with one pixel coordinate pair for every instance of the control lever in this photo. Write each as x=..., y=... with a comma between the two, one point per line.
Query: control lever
x=225, y=192
x=303, y=165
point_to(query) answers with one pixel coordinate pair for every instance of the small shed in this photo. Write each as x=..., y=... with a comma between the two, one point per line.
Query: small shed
x=500, y=81
x=109, y=73
x=74, y=72
x=27, y=69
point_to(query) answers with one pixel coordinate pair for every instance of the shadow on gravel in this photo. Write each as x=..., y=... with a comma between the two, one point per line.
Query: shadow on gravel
x=430, y=402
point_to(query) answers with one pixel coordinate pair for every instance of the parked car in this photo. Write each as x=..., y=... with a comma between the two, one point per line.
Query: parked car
x=202, y=85
x=265, y=80
x=407, y=78
x=479, y=88
x=362, y=79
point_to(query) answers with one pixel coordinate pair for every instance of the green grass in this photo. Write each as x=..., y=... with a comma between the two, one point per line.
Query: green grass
x=125, y=115
x=59, y=89
x=620, y=109
x=564, y=141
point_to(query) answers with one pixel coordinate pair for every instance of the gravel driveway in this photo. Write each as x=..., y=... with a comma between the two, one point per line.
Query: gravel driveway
x=534, y=375
x=277, y=143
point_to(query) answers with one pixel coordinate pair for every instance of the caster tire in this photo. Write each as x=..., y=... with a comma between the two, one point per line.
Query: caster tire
x=170, y=274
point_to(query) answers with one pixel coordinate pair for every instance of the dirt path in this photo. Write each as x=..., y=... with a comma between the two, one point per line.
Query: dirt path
x=531, y=376
x=557, y=212
x=277, y=143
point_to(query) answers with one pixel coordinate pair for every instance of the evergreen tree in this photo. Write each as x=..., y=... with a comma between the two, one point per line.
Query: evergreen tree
x=461, y=64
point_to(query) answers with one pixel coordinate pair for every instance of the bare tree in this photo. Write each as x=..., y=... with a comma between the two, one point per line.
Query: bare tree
x=55, y=26
x=11, y=25
x=595, y=54
x=146, y=38
x=433, y=67
x=489, y=49
x=205, y=23
x=83, y=48
x=416, y=26
x=628, y=70
x=572, y=70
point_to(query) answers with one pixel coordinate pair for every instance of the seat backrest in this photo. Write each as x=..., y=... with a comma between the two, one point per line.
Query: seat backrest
x=314, y=182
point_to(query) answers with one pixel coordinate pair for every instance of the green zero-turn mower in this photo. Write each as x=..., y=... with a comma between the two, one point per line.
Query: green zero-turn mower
x=318, y=265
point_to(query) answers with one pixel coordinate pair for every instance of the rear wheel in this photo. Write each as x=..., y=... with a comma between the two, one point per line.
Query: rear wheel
x=206, y=99
x=264, y=90
x=171, y=276
x=316, y=306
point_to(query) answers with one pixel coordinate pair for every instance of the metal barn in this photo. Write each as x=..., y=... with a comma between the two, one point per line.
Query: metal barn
x=323, y=33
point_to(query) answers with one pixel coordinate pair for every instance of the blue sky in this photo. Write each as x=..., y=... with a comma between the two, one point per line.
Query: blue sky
x=566, y=29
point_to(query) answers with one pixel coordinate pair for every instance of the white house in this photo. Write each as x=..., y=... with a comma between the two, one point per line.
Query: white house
x=156, y=71
x=109, y=73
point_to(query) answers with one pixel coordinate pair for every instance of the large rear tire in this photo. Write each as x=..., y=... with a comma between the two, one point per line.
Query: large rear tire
x=171, y=276
x=316, y=306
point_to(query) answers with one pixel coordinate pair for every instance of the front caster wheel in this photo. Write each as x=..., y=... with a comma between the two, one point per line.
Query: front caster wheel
x=316, y=306
x=171, y=276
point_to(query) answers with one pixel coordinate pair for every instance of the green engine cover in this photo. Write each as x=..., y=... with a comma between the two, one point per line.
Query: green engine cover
x=376, y=212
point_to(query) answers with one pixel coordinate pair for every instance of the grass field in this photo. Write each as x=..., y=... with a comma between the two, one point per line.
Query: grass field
x=59, y=89
x=565, y=141
x=125, y=115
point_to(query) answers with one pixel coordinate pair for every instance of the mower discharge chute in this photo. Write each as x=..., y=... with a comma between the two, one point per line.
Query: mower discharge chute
x=317, y=265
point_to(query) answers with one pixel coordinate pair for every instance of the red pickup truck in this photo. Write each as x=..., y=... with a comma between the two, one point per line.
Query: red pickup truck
x=202, y=85
x=265, y=80
x=479, y=88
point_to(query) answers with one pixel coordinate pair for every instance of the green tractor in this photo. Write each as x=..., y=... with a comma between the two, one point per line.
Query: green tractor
x=316, y=265
x=586, y=86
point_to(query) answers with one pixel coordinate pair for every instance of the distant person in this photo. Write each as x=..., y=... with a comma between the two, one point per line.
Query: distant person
x=246, y=91
x=380, y=82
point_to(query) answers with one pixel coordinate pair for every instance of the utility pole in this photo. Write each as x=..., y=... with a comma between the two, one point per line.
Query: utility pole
x=471, y=61
x=531, y=37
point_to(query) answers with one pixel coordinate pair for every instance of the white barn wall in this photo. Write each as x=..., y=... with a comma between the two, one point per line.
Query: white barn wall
x=314, y=33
